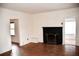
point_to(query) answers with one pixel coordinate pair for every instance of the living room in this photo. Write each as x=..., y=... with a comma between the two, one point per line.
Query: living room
x=34, y=20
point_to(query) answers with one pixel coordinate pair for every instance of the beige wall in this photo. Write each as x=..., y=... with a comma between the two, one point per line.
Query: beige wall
x=77, y=31
x=5, y=39
x=24, y=24
x=51, y=19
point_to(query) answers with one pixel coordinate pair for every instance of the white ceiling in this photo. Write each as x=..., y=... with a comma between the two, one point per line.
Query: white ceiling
x=38, y=7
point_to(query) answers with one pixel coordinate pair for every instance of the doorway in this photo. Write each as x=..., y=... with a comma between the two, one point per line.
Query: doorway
x=14, y=30
x=14, y=33
x=70, y=31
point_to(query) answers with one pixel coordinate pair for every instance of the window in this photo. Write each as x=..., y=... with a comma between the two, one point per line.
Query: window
x=70, y=26
x=12, y=28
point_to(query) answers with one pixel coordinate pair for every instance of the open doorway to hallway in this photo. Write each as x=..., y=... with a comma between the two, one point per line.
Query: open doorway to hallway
x=14, y=33
x=70, y=31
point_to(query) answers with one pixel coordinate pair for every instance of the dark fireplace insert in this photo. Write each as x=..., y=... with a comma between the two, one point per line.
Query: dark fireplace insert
x=52, y=35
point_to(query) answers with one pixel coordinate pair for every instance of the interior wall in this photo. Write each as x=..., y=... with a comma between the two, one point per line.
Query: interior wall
x=77, y=31
x=5, y=39
x=51, y=19
x=24, y=24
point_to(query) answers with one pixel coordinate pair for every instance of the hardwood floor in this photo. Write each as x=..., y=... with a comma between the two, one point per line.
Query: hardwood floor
x=40, y=49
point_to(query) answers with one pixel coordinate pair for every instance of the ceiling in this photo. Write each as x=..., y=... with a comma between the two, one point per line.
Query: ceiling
x=38, y=7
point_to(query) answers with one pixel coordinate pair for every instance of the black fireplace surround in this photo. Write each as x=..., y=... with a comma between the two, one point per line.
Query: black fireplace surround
x=52, y=35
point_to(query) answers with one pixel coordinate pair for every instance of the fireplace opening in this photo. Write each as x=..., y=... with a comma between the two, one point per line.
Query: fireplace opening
x=52, y=35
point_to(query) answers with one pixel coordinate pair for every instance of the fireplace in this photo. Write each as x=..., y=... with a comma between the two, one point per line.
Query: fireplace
x=52, y=35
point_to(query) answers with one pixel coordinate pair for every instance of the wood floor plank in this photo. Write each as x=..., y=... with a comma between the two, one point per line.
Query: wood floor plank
x=40, y=49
